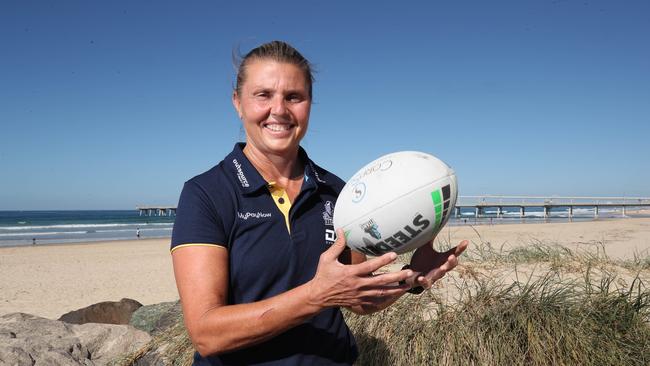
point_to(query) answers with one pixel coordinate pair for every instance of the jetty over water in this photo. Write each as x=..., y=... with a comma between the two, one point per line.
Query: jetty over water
x=157, y=210
x=479, y=204
x=502, y=204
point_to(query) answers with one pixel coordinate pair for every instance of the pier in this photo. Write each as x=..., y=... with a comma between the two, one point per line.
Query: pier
x=479, y=204
x=157, y=210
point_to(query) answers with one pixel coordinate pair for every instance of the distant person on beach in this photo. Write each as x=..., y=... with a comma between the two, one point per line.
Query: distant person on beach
x=137, y=233
x=260, y=272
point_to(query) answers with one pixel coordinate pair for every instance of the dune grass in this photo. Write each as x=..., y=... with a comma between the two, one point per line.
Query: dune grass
x=589, y=318
x=543, y=322
x=555, y=255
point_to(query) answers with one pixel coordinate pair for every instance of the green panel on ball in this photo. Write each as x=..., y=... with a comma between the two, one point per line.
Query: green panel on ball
x=436, y=196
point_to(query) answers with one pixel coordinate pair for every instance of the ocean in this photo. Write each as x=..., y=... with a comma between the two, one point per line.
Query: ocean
x=20, y=228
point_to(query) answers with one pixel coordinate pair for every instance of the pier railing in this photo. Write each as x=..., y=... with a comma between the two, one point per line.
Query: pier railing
x=479, y=203
x=157, y=210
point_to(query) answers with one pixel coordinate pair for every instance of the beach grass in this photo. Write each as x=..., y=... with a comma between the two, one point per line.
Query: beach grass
x=537, y=304
x=542, y=322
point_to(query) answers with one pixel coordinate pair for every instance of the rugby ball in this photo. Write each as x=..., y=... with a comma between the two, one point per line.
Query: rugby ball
x=396, y=203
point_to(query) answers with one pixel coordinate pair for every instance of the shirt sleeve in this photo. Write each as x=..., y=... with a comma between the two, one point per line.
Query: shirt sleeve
x=197, y=221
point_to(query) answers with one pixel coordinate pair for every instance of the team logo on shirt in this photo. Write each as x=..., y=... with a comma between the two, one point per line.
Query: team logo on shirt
x=328, y=214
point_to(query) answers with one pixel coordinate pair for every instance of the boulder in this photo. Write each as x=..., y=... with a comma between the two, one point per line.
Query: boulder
x=157, y=317
x=107, y=312
x=31, y=340
x=170, y=343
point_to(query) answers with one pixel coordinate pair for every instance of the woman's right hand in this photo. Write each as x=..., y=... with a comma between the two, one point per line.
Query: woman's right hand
x=337, y=284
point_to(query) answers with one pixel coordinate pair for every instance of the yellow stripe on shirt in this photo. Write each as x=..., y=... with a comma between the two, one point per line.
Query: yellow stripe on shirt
x=197, y=245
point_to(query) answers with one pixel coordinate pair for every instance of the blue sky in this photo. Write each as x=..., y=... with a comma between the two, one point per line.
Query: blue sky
x=107, y=105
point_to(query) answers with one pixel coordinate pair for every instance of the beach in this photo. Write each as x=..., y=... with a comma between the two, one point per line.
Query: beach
x=620, y=238
x=51, y=280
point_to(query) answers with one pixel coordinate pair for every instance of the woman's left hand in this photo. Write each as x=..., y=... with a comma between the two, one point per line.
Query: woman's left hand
x=431, y=266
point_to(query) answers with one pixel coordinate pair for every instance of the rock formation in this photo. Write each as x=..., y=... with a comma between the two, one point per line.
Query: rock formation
x=31, y=340
x=107, y=312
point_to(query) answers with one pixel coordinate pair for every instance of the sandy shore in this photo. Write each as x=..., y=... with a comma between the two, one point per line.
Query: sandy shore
x=52, y=280
x=621, y=238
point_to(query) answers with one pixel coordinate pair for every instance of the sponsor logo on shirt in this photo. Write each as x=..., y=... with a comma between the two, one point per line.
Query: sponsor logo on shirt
x=240, y=174
x=313, y=169
x=253, y=215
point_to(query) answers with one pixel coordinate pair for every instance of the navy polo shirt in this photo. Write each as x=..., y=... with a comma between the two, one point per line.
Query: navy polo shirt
x=231, y=205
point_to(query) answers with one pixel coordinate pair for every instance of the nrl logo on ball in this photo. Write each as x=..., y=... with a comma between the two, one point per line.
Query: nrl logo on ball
x=371, y=229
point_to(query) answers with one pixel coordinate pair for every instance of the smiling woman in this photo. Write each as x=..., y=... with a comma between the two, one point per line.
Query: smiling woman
x=260, y=273
x=274, y=106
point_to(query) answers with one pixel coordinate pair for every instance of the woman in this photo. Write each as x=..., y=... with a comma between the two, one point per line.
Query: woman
x=260, y=278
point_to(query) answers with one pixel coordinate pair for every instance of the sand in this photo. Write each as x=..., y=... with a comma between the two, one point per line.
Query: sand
x=620, y=238
x=52, y=280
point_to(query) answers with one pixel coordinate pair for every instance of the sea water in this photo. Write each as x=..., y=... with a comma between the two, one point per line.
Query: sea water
x=48, y=227
x=18, y=228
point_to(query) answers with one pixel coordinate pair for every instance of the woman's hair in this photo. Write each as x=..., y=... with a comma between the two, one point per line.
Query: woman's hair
x=276, y=51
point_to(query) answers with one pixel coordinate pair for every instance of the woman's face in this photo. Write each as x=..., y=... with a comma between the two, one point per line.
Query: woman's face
x=274, y=106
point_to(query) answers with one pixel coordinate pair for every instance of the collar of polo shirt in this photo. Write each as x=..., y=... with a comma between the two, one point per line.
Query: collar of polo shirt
x=251, y=181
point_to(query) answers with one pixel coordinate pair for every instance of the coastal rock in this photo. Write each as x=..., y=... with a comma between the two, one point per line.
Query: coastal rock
x=170, y=318
x=106, y=312
x=157, y=317
x=170, y=342
x=31, y=340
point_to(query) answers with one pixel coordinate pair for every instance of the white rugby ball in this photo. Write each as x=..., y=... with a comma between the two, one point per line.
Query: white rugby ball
x=396, y=203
